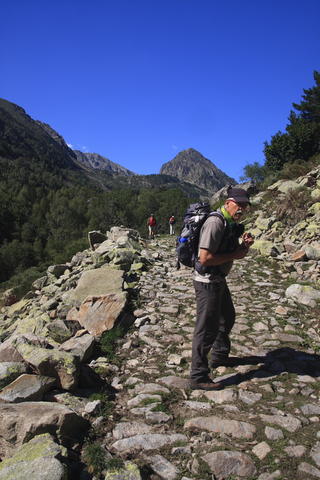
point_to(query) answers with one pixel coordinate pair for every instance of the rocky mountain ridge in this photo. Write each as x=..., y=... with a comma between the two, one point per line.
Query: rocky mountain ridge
x=189, y=165
x=96, y=161
x=61, y=345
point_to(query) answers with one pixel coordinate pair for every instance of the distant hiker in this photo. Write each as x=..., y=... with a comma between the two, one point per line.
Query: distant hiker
x=151, y=223
x=172, y=221
x=218, y=246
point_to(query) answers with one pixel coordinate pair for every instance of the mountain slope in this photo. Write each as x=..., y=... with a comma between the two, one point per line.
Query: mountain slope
x=24, y=138
x=96, y=161
x=190, y=166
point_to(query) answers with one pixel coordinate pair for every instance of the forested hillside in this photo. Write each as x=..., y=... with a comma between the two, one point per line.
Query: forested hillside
x=49, y=203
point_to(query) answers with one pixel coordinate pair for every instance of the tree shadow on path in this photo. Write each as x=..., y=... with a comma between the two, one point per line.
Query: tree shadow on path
x=274, y=363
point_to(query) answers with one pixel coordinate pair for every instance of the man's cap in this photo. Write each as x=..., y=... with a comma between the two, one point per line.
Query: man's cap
x=238, y=194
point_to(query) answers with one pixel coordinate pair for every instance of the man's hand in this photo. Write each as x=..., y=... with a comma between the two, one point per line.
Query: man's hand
x=240, y=252
x=247, y=239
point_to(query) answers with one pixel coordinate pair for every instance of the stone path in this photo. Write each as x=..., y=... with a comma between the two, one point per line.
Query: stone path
x=264, y=425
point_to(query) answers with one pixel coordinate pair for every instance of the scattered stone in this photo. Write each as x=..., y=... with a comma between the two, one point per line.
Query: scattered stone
x=219, y=425
x=261, y=450
x=225, y=463
x=148, y=442
x=163, y=468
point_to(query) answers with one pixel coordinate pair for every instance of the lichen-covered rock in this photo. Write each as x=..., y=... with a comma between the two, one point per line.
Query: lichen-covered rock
x=129, y=471
x=52, y=363
x=9, y=371
x=303, y=294
x=19, y=422
x=265, y=247
x=37, y=459
x=59, y=331
x=101, y=281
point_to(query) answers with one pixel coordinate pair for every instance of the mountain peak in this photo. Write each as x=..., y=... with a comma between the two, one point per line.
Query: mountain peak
x=191, y=166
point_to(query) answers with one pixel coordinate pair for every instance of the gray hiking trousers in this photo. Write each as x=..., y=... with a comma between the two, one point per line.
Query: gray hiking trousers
x=215, y=319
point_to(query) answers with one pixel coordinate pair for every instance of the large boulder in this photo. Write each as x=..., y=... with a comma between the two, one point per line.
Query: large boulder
x=303, y=294
x=52, y=363
x=80, y=346
x=98, y=314
x=37, y=460
x=20, y=422
x=27, y=388
x=95, y=282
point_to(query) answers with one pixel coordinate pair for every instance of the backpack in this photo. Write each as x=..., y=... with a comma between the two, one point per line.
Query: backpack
x=172, y=220
x=188, y=241
x=152, y=222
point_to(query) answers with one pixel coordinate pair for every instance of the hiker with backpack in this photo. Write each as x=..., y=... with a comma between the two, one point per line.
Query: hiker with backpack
x=172, y=221
x=212, y=251
x=151, y=223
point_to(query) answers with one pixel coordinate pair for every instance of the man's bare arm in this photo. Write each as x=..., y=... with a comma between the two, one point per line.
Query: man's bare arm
x=208, y=259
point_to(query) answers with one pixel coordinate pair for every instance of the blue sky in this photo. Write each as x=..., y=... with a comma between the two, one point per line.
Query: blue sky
x=139, y=80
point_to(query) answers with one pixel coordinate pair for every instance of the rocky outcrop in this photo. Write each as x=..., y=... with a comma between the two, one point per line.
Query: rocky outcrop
x=190, y=166
x=50, y=336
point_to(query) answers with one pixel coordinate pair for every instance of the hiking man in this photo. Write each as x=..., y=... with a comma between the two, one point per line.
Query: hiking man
x=151, y=223
x=172, y=221
x=218, y=246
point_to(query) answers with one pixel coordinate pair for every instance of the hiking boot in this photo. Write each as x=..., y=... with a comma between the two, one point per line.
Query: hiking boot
x=207, y=384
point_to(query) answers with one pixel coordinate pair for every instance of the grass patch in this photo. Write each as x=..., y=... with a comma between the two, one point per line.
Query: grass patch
x=108, y=342
x=95, y=458
x=106, y=406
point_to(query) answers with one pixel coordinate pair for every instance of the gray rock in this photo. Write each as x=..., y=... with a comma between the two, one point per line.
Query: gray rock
x=289, y=422
x=130, y=471
x=101, y=281
x=225, y=463
x=27, y=388
x=303, y=294
x=223, y=396
x=79, y=346
x=273, y=433
x=310, y=409
x=148, y=442
x=249, y=397
x=126, y=429
x=219, y=425
x=21, y=421
x=315, y=453
x=9, y=371
x=57, y=270
x=36, y=459
x=150, y=388
x=176, y=382
x=59, y=331
x=142, y=397
x=52, y=363
x=163, y=468
x=261, y=450
x=309, y=469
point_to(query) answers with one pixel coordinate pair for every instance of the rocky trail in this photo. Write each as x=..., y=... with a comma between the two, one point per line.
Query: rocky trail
x=263, y=425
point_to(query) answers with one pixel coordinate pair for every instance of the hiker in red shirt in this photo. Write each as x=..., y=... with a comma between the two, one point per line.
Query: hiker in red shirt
x=151, y=223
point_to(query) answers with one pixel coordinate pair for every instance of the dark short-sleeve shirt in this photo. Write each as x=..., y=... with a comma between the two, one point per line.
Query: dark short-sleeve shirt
x=210, y=238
